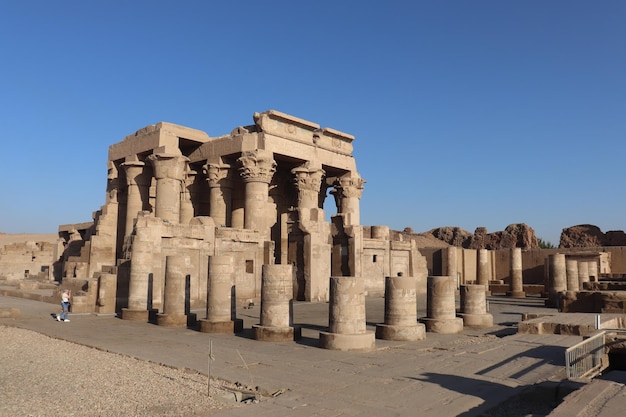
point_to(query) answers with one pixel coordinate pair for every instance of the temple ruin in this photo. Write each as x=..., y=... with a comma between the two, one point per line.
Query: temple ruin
x=256, y=195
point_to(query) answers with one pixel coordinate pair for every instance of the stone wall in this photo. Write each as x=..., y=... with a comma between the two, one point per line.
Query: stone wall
x=28, y=260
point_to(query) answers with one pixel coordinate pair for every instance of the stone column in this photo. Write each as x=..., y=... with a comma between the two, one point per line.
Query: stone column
x=382, y=233
x=308, y=180
x=474, y=306
x=257, y=169
x=237, y=211
x=452, y=269
x=440, y=306
x=169, y=171
x=220, y=193
x=483, y=272
x=316, y=250
x=400, y=311
x=593, y=271
x=141, y=278
x=558, y=278
x=137, y=183
x=276, y=305
x=186, y=204
x=571, y=268
x=516, y=286
x=347, y=330
x=176, y=267
x=221, y=311
x=347, y=192
x=583, y=274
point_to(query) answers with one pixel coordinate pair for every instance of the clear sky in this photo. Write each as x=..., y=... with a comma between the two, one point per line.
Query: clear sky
x=466, y=113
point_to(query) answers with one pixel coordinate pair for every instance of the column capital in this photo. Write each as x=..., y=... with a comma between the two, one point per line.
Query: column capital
x=218, y=175
x=257, y=166
x=308, y=178
x=134, y=173
x=168, y=166
x=350, y=187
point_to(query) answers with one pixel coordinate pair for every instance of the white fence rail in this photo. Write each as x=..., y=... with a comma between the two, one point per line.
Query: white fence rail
x=584, y=359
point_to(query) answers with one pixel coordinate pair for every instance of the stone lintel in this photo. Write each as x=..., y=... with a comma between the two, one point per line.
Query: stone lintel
x=397, y=245
x=336, y=133
x=276, y=334
x=75, y=227
x=375, y=244
x=154, y=136
x=261, y=119
x=238, y=235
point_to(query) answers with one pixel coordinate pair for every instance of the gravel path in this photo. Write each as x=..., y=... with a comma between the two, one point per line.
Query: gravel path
x=42, y=376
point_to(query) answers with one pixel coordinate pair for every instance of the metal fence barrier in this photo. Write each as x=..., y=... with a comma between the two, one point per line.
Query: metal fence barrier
x=584, y=359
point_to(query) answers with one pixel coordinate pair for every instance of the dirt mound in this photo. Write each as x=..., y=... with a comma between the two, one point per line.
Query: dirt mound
x=517, y=235
x=590, y=236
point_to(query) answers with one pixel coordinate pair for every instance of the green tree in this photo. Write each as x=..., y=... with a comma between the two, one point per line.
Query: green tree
x=544, y=244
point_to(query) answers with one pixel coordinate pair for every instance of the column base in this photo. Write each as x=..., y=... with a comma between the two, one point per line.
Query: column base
x=171, y=320
x=401, y=333
x=231, y=326
x=347, y=342
x=276, y=334
x=10, y=313
x=445, y=326
x=135, y=315
x=516, y=294
x=477, y=320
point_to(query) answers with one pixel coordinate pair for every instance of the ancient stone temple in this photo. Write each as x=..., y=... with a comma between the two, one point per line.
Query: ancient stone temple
x=255, y=195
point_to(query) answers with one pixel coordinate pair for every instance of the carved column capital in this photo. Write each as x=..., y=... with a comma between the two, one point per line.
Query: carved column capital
x=350, y=187
x=308, y=179
x=218, y=175
x=257, y=166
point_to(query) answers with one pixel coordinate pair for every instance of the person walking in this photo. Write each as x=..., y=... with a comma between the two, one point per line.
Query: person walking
x=65, y=305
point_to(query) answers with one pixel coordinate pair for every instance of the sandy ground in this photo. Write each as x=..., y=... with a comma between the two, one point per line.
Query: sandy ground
x=42, y=376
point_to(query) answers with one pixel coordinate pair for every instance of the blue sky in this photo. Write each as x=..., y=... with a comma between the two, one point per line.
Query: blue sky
x=466, y=113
